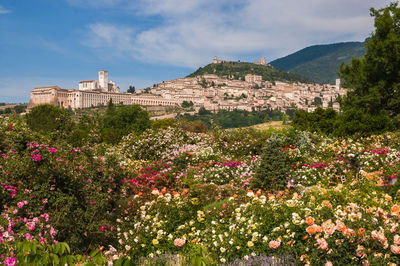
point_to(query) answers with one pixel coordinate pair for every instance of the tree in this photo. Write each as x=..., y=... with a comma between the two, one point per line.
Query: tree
x=204, y=111
x=49, y=118
x=124, y=120
x=272, y=170
x=374, y=79
x=187, y=104
x=131, y=89
x=317, y=101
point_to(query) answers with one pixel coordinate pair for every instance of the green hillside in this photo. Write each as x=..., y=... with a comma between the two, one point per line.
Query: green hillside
x=320, y=62
x=238, y=70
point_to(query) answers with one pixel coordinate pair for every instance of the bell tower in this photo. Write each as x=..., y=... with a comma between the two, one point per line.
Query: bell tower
x=103, y=80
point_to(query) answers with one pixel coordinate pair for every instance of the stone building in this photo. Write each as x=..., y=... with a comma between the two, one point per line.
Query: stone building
x=91, y=93
x=100, y=85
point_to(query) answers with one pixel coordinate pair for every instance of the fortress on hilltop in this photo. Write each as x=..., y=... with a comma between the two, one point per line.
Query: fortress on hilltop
x=263, y=61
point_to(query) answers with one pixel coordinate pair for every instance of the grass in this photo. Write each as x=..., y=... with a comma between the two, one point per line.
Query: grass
x=277, y=125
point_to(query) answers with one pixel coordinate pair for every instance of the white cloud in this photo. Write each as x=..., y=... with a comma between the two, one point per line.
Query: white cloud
x=3, y=10
x=193, y=31
x=101, y=35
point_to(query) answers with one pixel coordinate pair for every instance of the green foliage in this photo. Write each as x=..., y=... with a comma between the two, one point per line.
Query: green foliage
x=272, y=171
x=349, y=123
x=187, y=104
x=199, y=256
x=356, y=121
x=36, y=253
x=374, y=80
x=122, y=120
x=317, y=101
x=239, y=70
x=47, y=118
x=321, y=120
x=131, y=89
x=235, y=118
x=196, y=126
x=163, y=123
x=19, y=108
x=320, y=62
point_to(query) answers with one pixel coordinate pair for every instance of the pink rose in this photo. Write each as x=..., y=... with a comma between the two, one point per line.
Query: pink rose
x=52, y=231
x=20, y=204
x=45, y=216
x=10, y=261
x=274, y=244
x=36, y=157
x=31, y=226
x=179, y=242
x=322, y=244
x=28, y=236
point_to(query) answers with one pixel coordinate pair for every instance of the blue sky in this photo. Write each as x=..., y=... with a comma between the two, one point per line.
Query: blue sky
x=143, y=42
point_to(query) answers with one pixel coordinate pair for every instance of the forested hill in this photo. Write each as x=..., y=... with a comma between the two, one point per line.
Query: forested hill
x=239, y=70
x=320, y=62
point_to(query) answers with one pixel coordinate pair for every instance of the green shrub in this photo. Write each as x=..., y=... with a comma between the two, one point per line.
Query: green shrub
x=356, y=121
x=47, y=118
x=272, y=171
x=123, y=120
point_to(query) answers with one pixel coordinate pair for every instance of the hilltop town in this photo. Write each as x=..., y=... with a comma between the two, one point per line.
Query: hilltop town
x=214, y=92
x=211, y=91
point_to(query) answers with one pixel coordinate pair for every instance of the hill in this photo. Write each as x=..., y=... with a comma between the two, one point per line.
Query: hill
x=238, y=70
x=320, y=62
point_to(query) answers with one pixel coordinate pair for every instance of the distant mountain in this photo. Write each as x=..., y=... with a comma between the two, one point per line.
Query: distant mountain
x=238, y=70
x=320, y=62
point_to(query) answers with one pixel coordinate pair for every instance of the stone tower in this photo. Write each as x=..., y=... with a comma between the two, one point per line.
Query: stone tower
x=263, y=61
x=337, y=84
x=215, y=60
x=103, y=80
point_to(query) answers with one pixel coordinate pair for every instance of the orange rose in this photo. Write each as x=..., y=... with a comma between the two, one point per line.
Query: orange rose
x=327, y=203
x=313, y=229
x=361, y=231
x=349, y=232
x=340, y=226
x=310, y=220
x=395, y=210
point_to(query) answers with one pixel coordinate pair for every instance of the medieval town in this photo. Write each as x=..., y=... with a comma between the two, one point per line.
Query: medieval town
x=209, y=91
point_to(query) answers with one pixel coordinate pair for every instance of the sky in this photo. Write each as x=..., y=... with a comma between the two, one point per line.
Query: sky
x=144, y=42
